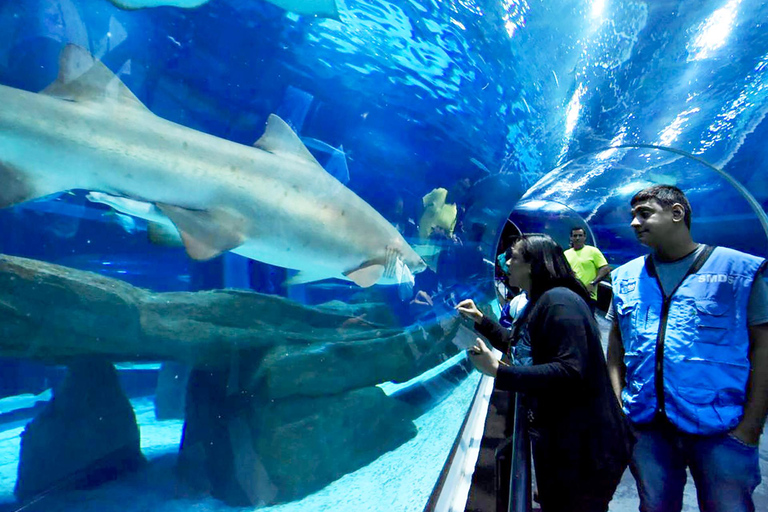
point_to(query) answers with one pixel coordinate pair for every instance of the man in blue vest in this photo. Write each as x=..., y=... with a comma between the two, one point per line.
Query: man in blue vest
x=688, y=360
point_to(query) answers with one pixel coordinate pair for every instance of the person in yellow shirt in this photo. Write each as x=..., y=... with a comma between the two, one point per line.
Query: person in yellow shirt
x=587, y=262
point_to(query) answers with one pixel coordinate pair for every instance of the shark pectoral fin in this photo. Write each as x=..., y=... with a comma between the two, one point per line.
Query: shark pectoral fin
x=82, y=78
x=279, y=139
x=206, y=233
x=366, y=276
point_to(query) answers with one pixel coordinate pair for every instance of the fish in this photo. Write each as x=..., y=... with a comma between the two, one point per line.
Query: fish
x=319, y=8
x=270, y=202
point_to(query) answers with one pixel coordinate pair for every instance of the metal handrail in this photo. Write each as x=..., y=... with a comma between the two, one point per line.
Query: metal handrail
x=520, y=459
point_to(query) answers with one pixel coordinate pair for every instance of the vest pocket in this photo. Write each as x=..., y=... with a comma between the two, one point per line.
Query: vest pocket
x=712, y=321
x=627, y=318
x=695, y=410
x=698, y=396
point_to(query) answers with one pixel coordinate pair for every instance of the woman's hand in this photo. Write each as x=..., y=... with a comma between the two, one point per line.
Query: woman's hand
x=483, y=358
x=469, y=310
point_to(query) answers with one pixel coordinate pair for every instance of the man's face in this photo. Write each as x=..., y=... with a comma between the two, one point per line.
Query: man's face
x=578, y=239
x=654, y=225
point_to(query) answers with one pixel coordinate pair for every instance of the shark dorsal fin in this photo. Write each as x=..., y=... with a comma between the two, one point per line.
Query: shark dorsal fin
x=82, y=78
x=279, y=139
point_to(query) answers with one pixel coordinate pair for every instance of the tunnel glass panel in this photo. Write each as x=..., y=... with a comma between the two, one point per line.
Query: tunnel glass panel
x=596, y=190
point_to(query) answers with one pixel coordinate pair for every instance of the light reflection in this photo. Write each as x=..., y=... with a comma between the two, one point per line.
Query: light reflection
x=617, y=141
x=573, y=111
x=598, y=7
x=632, y=187
x=537, y=205
x=514, y=15
x=714, y=32
x=471, y=7
x=737, y=110
x=458, y=24
x=571, y=119
x=670, y=133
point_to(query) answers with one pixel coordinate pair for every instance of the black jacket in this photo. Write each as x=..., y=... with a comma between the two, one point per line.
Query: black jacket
x=578, y=428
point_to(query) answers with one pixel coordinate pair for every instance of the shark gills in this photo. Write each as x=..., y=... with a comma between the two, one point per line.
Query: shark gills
x=271, y=202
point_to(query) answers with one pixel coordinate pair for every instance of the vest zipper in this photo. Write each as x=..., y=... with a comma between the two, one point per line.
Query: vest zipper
x=660, y=408
x=665, y=305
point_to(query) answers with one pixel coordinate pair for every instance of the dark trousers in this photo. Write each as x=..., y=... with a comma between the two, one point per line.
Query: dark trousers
x=571, y=489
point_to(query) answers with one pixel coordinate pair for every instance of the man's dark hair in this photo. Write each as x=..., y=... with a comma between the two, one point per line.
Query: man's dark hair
x=549, y=268
x=666, y=196
x=578, y=228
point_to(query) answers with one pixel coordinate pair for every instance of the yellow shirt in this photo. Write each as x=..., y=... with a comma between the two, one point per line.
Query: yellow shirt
x=585, y=263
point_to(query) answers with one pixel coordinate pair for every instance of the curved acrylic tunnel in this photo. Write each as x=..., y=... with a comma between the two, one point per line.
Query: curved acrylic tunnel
x=594, y=191
x=444, y=127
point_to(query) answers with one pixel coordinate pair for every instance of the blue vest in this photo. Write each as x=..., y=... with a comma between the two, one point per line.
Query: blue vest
x=687, y=356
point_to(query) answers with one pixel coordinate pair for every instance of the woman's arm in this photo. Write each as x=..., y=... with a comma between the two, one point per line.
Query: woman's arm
x=560, y=333
x=492, y=330
x=495, y=333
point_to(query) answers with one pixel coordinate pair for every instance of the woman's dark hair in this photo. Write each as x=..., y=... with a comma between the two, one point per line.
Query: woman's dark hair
x=549, y=268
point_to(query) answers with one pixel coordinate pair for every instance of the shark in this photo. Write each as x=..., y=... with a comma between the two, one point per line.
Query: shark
x=270, y=202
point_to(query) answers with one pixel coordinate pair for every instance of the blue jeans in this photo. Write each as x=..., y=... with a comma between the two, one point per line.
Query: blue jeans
x=725, y=470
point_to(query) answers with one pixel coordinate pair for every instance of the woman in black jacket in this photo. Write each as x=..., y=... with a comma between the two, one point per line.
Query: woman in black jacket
x=581, y=442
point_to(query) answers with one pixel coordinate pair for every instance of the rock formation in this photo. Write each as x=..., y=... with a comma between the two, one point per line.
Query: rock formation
x=282, y=398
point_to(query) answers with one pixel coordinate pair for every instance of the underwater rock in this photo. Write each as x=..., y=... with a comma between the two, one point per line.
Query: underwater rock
x=306, y=443
x=53, y=313
x=47, y=309
x=171, y=390
x=372, y=312
x=334, y=367
x=250, y=452
x=271, y=381
x=87, y=434
x=217, y=454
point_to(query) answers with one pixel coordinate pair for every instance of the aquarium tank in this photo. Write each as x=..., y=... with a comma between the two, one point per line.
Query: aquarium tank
x=233, y=233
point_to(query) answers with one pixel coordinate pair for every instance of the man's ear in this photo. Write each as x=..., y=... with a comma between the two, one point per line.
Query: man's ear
x=678, y=212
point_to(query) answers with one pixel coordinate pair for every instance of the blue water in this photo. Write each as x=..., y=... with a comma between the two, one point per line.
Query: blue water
x=519, y=100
